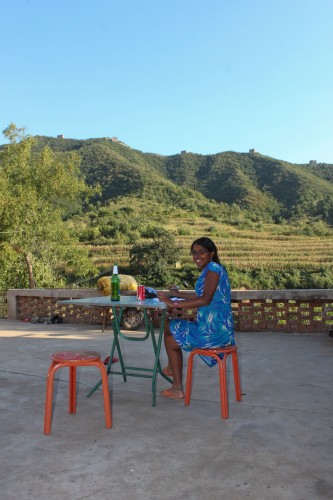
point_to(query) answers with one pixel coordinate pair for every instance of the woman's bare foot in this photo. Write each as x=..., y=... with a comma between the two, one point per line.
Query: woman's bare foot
x=173, y=393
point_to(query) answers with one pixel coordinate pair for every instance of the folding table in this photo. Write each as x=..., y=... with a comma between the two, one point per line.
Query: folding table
x=117, y=308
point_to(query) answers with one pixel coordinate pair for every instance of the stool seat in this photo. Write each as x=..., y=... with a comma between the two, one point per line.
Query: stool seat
x=74, y=356
x=73, y=360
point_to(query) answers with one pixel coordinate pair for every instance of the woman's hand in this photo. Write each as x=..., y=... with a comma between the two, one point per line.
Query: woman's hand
x=164, y=297
x=174, y=291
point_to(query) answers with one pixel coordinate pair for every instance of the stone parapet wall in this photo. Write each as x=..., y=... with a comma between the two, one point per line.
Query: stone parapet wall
x=254, y=310
x=25, y=304
x=283, y=311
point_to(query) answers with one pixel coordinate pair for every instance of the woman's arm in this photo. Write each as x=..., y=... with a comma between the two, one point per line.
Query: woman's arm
x=182, y=295
x=211, y=282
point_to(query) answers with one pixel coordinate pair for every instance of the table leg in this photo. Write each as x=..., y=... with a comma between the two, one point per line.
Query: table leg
x=116, y=331
x=159, y=368
x=157, y=349
x=115, y=344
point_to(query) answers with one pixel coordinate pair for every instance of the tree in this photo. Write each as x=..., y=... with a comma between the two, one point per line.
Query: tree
x=36, y=189
x=154, y=261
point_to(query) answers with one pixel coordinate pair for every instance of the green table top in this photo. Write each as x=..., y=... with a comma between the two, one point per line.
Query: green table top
x=125, y=301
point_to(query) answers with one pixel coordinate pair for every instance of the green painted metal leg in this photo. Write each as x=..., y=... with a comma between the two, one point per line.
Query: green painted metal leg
x=157, y=365
x=116, y=330
x=115, y=344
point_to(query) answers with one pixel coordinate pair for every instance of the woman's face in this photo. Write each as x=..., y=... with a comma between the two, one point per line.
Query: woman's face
x=201, y=256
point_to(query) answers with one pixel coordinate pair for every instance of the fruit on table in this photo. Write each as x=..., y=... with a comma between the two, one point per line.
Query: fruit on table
x=127, y=283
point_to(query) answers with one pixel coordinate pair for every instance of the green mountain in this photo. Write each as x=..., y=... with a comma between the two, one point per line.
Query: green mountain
x=262, y=186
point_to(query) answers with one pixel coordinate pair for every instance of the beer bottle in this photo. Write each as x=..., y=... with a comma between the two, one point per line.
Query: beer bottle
x=115, y=284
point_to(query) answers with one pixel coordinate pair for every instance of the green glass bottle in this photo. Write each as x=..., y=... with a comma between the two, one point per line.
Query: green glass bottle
x=115, y=284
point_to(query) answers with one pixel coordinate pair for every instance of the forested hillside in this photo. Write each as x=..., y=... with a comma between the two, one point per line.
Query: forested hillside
x=267, y=188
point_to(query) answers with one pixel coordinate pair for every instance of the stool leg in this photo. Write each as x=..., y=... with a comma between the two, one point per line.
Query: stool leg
x=188, y=388
x=72, y=389
x=106, y=394
x=49, y=397
x=235, y=367
x=223, y=387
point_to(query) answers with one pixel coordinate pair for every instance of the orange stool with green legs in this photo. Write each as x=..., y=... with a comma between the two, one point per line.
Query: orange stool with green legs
x=73, y=359
x=222, y=365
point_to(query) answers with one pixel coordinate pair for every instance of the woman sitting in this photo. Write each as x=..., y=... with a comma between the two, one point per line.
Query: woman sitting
x=214, y=325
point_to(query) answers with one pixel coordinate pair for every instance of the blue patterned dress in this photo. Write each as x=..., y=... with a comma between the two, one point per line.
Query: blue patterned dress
x=214, y=326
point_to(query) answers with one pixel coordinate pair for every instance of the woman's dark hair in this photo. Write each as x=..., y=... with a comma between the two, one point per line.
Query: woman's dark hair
x=209, y=245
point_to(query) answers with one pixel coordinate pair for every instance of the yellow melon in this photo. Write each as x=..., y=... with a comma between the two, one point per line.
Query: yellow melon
x=127, y=283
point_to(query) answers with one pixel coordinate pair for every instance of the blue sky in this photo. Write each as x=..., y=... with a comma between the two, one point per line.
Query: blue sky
x=168, y=75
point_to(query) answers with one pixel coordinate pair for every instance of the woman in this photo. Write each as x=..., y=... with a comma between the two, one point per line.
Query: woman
x=214, y=324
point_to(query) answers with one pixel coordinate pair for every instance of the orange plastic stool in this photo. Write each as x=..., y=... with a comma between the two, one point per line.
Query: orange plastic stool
x=72, y=359
x=222, y=364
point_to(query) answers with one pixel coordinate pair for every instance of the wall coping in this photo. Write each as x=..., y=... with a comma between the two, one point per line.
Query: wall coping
x=310, y=293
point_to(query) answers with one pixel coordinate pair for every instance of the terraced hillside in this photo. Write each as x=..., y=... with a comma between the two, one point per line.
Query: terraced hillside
x=265, y=251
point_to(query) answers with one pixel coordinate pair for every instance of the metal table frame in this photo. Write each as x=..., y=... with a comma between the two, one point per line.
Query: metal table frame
x=117, y=310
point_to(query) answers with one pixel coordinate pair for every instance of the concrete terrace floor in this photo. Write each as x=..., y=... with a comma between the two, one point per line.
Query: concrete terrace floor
x=276, y=444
